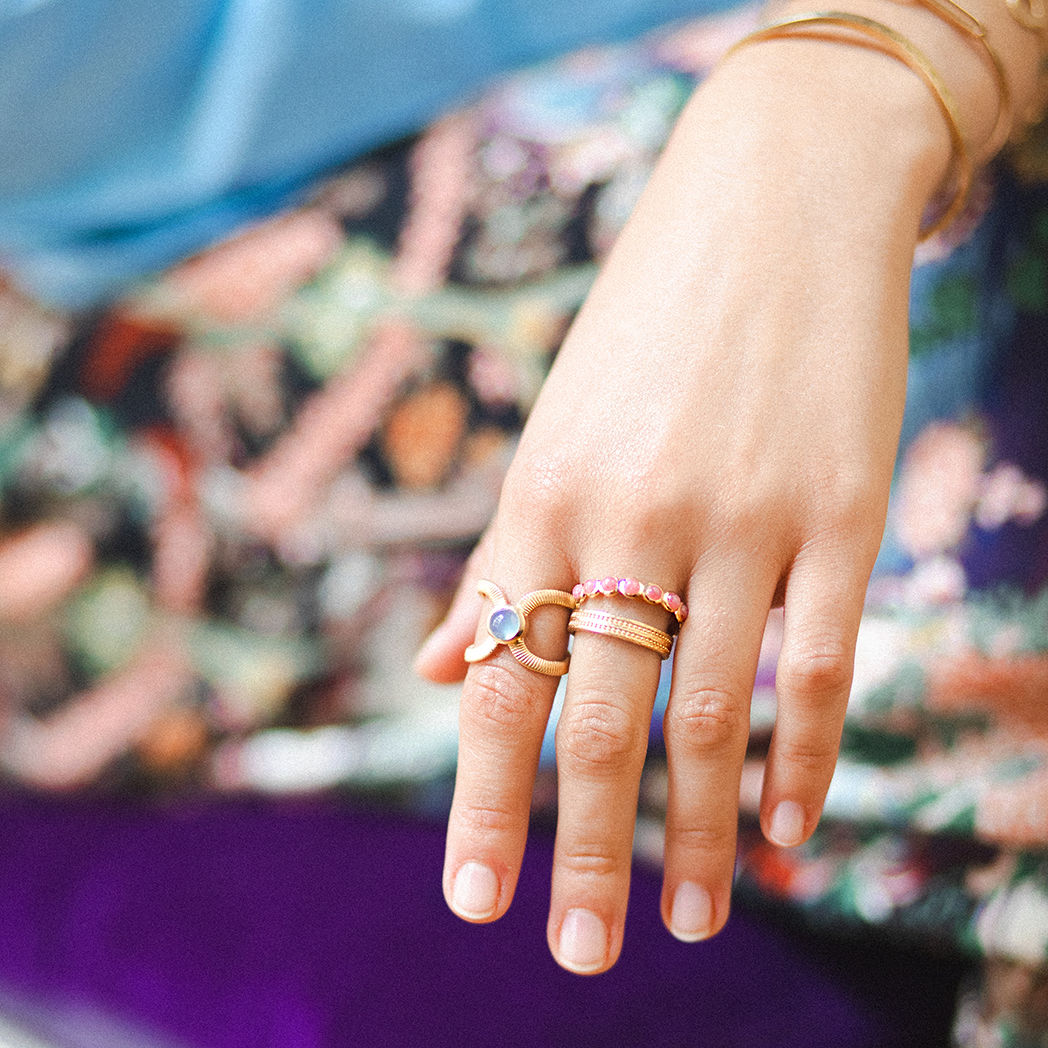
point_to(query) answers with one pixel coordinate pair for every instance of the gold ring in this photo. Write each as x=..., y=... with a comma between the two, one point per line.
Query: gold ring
x=632, y=630
x=508, y=623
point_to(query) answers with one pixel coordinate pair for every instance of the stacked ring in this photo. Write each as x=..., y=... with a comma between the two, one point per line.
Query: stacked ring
x=632, y=630
x=634, y=589
x=508, y=623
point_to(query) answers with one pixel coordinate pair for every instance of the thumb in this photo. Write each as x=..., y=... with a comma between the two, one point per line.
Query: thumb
x=440, y=659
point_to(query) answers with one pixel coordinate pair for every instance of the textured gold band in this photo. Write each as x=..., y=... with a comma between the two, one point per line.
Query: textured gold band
x=508, y=624
x=881, y=37
x=656, y=640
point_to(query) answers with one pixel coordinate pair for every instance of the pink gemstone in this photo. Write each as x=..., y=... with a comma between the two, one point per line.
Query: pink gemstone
x=577, y=591
x=589, y=587
x=653, y=593
x=671, y=602
x=629, y=587
x=683, y=613
x=609, y=585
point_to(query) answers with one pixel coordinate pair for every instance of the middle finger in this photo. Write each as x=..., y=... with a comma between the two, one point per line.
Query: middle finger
x=601, y=741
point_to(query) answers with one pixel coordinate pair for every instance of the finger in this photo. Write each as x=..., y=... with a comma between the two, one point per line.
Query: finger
x=40, y=567
x=502, y=720
x=439, y=659
x=706, y=729
x=601, y=741
x=824, y=599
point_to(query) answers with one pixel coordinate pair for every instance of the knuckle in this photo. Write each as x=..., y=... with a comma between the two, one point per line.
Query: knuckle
x=544, y=483
x=844, y=492
x=537, y=487
x=707, y=718
x=595, y=733
x=847, y=510
x=485, y=820
x=700, y=838
x=745, y=515
x=816, y=675
x=644, y=501
x=588, y=862
x=852, y=502
x=497, y=699
x=808, y=756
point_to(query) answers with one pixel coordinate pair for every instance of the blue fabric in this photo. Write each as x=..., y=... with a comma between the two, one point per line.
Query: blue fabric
x=132, y=134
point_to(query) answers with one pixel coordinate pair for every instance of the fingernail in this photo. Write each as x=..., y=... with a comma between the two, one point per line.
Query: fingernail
x=691, y=914
x=787, y=824
x=475, y=891
x=583, y=945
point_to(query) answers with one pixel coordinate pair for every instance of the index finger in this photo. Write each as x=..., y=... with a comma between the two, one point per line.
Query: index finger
x=503, y=713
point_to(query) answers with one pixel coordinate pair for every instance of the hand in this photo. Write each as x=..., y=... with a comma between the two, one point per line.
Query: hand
x=721, y=420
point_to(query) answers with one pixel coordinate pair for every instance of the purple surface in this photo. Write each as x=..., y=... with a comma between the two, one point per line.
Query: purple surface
x=318, y=925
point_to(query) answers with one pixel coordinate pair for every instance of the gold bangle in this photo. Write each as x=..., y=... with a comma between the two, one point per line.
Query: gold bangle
x=632, y=630
x=894, y=44
x=965, y=23
x=1030, y=14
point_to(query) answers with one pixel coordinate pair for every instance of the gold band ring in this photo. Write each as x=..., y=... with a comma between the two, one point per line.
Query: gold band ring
x=508, y=623
x=632, y=630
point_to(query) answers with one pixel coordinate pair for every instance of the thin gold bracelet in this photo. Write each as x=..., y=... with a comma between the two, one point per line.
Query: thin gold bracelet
x=1030, y=14
x=1033, y=15
x=965, y=23
x=883, y=38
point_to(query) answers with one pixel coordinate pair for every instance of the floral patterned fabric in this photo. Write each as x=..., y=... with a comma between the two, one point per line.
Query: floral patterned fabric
x=234, y=501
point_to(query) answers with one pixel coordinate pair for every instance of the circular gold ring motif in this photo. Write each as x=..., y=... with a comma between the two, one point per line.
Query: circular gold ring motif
x=508, y=623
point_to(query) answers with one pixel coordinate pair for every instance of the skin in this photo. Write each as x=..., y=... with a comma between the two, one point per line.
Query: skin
x=722, y=419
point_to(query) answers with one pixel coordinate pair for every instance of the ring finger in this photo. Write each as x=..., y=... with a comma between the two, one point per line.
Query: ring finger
x=706, y=730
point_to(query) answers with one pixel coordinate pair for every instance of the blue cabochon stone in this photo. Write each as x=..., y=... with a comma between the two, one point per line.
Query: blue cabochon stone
x=505, y=624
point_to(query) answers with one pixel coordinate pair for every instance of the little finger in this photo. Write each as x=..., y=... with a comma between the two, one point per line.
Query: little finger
x=823, y=605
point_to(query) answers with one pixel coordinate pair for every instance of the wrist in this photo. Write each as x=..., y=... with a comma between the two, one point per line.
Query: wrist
x=1002, y=54
x=845, y=129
